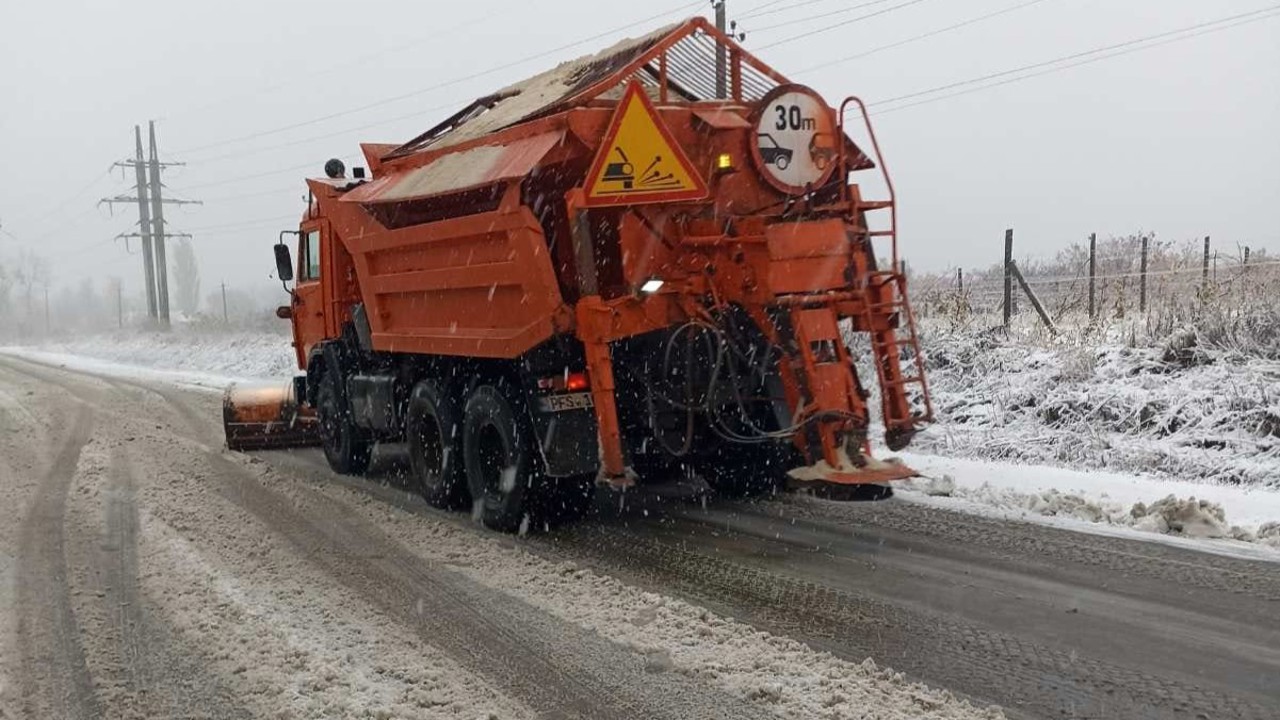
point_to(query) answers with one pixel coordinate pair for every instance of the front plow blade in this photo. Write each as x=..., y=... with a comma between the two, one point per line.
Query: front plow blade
x=261, y=417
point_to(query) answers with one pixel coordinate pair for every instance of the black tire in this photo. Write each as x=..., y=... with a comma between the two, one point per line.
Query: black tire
x=434, y=438
x=345, y=447
x=737, y=470
x=501, y=459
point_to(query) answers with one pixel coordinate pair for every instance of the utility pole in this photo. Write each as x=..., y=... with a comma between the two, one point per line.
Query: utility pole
x=224, y=303
x=1093, y=275
x=157, y=218
x=1142, y=296
x=1204, y=272
x=722, y=63
x=1008, y=277
x=120, y=303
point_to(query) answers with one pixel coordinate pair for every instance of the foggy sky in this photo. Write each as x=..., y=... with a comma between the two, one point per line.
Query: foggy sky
x=1180, y=140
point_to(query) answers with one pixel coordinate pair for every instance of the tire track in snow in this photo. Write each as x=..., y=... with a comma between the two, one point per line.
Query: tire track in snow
x=1027, y=678
x=559, y=669
x=54, y=679
x=141, y=668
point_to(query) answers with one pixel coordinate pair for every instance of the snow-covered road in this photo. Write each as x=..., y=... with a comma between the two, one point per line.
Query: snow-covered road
x=147, y=572
x=150, y=573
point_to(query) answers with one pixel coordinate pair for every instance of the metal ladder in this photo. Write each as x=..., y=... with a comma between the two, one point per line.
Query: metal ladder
x=887, y=313
x=892, y=326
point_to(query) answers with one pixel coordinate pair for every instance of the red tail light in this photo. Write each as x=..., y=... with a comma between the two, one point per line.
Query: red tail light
x=568, y=382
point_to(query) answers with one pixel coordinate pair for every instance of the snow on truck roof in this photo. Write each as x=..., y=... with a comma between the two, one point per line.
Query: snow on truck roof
x=691, y=60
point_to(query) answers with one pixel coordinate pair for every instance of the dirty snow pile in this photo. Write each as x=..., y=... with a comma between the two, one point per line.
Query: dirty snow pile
x=222, y=354
x=1093, y=500
x=1178, y=410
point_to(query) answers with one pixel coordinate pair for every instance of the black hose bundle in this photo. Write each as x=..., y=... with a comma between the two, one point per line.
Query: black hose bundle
x=736, y=362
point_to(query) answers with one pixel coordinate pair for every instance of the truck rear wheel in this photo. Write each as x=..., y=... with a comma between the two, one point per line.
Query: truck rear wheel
x=345, y=447
x=433, y=435
x=500, y=458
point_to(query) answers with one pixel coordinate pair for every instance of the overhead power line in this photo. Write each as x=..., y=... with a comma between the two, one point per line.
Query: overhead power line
x=829, y=28
x=242, y=178
x=820, y=16
x=771, y=9
x=440, y=85
x=246, y=223
x=337, y=133
x=1086, y=57
x=922, y=36
x=346, y=64
x=67, y=200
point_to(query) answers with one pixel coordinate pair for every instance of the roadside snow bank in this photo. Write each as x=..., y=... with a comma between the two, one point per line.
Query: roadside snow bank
x=1232, y=514
x=1200, y=413
x=227, y=355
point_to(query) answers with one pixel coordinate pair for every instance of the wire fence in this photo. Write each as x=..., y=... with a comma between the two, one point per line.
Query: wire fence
x=1134, y=279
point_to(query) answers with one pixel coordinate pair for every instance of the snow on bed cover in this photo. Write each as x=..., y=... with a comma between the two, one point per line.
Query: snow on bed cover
x=1233, y=520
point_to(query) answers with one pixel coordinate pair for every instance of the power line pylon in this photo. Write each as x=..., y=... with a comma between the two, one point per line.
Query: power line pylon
x=151, y=229
x=144, y=218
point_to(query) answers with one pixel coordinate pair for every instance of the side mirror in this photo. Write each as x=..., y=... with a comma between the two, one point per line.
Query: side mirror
x=284, y=312
x=284, y=263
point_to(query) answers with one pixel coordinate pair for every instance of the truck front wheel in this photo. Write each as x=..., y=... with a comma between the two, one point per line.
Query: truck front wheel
x=346, y=449
x=500, y=458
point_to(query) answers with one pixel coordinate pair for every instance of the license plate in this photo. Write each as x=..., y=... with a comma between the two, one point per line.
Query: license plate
x=573, y=401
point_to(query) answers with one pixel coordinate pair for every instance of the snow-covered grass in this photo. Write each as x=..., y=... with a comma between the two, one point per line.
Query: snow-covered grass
x=195, y=357
x=230, y=353
x=1180, y=409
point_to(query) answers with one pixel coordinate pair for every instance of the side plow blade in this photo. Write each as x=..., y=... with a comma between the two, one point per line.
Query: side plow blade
x=821, y=476
x=262, y=417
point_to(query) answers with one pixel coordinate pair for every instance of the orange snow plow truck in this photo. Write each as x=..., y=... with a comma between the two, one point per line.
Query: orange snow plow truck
x=654, y=257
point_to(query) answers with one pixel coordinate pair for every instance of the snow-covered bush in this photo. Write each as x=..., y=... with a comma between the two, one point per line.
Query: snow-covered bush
x=1192, y=407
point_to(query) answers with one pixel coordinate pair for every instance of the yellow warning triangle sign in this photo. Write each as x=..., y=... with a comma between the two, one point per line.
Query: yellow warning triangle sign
x=639, y=162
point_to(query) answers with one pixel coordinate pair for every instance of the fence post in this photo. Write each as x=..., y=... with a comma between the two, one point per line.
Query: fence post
x=1093, y=275
x=1142, y=292
x=1204, y=274
x=1008, y=277
x=960, y=279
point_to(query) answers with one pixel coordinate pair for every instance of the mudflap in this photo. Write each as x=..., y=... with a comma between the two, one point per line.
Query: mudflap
x=262, y=417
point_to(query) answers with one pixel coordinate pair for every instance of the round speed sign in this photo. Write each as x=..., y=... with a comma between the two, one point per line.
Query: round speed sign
x=796, y=138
